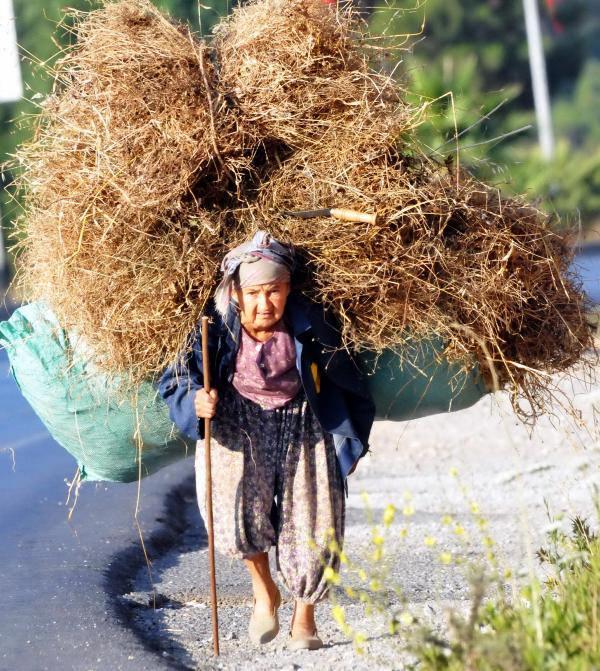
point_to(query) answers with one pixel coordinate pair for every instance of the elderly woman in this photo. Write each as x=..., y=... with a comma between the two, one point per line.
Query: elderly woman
x=291, y=418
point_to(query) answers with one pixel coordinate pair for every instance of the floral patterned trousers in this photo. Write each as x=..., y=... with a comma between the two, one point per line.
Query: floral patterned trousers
x=276, y=481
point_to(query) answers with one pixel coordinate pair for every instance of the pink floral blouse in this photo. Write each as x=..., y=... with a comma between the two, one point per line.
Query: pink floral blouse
x=266, y=372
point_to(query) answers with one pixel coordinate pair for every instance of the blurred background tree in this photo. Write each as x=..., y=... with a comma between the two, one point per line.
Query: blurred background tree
x=476, y=49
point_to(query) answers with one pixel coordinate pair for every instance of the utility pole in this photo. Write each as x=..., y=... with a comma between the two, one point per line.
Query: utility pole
x=539, y=79
x=11, y=90
x=11, y=84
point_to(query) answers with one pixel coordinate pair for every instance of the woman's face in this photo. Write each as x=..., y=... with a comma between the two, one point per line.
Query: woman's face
x=262, y=306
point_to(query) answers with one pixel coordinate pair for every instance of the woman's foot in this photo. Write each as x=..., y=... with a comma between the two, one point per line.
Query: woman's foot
x=264, y=623
x=266, y=598
x=264, y=588
x=303, y=634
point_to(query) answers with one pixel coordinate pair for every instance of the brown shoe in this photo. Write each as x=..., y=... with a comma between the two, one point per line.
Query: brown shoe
x=312, y=642
x=303, y=641
x=264, y=628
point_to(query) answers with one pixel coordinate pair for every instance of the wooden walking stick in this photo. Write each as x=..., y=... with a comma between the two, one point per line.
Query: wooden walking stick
x=209, y=510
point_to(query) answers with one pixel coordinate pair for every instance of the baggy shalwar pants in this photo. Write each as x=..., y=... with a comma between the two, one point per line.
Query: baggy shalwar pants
x=276, y=481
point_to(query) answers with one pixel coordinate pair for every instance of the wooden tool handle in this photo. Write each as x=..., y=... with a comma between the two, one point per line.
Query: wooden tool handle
x=205, y=360
x=353, y=215
x=209, y=508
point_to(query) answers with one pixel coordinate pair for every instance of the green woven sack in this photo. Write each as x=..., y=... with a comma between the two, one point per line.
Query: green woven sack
x=419, y=381
x=84, y=411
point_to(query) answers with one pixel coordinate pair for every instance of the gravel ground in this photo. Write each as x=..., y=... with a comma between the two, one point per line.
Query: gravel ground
x=507, y=472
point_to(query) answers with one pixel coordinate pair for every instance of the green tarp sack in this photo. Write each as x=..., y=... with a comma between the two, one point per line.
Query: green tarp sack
x=86, y=414
x=419, y=381
x=105, y=430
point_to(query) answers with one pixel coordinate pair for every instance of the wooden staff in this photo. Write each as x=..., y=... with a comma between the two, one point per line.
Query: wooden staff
x=209, y=509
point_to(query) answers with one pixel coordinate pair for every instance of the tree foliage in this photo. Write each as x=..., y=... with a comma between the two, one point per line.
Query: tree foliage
x=476, y=50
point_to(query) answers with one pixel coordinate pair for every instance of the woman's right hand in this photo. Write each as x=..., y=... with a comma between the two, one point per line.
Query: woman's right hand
x=206, y=403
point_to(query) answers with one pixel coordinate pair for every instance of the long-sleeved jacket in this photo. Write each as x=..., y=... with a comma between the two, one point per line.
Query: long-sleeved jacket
x=335, y=388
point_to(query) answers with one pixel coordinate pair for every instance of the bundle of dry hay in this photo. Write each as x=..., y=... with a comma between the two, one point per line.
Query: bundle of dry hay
x=157, y=152
x=295, y=69
x=114, y=237
x=454, y=258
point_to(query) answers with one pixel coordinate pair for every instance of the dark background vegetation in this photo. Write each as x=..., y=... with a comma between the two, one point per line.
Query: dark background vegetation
x=477, y=49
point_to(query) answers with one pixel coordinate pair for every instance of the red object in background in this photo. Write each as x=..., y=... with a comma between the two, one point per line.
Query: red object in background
x=557, y=25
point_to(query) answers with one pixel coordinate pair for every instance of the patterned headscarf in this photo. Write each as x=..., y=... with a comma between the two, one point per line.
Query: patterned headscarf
x=262, y=246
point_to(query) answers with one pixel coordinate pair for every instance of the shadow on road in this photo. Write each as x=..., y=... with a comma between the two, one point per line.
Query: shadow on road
x=121, y=573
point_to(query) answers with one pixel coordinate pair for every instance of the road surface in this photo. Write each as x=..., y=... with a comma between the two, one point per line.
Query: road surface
x=60, y=579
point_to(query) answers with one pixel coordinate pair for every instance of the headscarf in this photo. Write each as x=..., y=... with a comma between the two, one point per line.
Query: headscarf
x=262, y=247
x=261, y=271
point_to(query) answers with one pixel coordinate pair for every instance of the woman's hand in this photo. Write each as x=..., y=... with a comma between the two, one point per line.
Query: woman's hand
x=206, y=403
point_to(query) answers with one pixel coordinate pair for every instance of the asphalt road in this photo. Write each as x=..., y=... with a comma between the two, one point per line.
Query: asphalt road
x=587, y=265
x=61, y=580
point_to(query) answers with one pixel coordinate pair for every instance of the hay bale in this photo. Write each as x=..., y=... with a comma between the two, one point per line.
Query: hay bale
x=447, y=255
x=296, y=68
x=150, y=161
x=114, y=236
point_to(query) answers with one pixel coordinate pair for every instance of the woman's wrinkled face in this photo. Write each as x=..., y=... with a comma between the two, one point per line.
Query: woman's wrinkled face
x=262, y=306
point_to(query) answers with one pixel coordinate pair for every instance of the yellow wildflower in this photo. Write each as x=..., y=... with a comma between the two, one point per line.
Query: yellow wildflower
x=338, y=614
x=388, y=514
x=445, y=557
x=375, y=585
x=406, y=618
x=408, y=510
x=429, y=541
x=359, y=639
x=331, y=576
